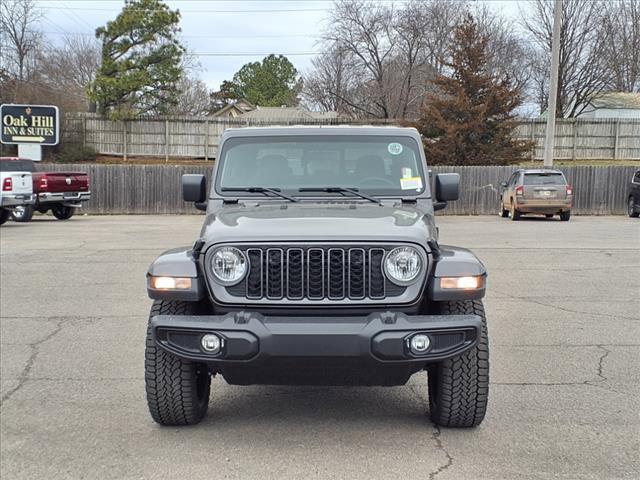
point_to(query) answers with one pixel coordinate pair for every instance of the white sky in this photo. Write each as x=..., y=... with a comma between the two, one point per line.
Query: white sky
x=226, y=28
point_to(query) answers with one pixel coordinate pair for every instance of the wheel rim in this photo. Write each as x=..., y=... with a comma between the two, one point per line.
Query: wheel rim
x=18, y=212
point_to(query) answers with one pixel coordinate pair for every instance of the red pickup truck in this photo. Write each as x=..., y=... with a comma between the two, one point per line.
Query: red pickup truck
x=60, y=192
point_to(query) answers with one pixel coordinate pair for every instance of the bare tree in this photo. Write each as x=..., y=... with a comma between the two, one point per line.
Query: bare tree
x=582, y=71
x=193, y=97
x=20, y=39
x=364, y=30
x=621, y=41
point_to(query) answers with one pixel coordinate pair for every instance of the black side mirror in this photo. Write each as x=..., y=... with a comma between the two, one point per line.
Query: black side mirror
x=447, y=189
x=503, y=184
x=194, y=189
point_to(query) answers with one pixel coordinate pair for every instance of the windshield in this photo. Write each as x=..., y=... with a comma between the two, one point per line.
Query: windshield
x=544, y=179
x=372, y=165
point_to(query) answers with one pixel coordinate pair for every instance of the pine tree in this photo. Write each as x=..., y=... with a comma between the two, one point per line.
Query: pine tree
x=469, y=119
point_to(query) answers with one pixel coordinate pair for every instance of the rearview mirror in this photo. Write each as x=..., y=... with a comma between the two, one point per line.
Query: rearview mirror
x=194, y=188
x=503, y=184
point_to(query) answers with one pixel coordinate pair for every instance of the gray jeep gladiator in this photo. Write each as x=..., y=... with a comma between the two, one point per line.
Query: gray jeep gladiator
x=319, y=264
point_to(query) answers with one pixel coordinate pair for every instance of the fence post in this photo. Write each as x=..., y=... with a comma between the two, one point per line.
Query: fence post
x=84, y=132
x=615, y=144
x=124, y=140
x=166, y=140
x=206, y=140
x=575, y=139
x=532, y=126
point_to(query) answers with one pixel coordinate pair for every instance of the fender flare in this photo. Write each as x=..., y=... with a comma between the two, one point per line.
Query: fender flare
x=177, y=262
x=456, y=262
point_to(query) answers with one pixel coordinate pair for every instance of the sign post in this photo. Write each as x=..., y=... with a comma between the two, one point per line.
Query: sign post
x=30, y=127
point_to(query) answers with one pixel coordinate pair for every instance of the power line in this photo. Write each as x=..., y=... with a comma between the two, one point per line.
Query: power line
x=279, y=10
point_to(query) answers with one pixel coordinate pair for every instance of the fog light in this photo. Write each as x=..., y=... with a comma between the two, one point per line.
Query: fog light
x=211, y=343
x=419, y=344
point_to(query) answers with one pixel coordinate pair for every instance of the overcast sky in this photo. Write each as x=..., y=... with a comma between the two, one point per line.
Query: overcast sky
x=223, y=34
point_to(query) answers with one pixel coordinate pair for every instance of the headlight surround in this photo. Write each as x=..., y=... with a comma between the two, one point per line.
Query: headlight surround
x=403, y=265
x=229, y=265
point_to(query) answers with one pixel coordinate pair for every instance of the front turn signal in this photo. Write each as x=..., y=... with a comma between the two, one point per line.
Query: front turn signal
x=170, y=283
x=462, y=283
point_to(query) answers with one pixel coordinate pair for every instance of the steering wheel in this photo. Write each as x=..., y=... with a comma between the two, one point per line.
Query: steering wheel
x=378, y=180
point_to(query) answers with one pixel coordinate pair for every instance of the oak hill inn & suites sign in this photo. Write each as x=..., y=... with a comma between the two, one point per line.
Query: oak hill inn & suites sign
x=29, y=124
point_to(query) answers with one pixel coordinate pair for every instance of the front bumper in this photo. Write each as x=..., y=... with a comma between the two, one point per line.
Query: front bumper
x=67, y=198
x=9, y=200
x=254, y=339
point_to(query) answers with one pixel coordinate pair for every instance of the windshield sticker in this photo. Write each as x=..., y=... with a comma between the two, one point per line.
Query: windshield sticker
x=406, y=172
x=394, y=148
x=411, y=183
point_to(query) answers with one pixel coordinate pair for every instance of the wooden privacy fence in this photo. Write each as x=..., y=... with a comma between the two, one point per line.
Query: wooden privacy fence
x=198, y=137
x=156, y=189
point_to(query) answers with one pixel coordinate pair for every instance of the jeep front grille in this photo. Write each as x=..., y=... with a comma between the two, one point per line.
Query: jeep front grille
x=313, y=273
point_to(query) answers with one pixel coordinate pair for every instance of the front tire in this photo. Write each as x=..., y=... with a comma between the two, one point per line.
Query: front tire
x=459, y=387
x=631, y=211
x=503, y=212
x=177, y=390
x=22, y=213
x=62, y=212
x=565, y=216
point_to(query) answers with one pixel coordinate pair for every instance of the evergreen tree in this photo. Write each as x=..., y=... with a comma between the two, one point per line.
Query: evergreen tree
x=469, y=119
x=141, y=57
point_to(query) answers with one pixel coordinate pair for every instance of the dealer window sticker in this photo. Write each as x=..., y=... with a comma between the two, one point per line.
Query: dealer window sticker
x=411, y=183
x=394, y=148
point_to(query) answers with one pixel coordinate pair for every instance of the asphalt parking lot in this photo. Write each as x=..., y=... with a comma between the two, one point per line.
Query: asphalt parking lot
x=563, y=305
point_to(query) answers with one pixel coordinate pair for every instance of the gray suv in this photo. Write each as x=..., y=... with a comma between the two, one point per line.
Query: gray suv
x=318, y=263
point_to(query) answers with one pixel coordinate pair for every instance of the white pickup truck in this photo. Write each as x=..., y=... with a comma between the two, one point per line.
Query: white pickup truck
x=16, y=189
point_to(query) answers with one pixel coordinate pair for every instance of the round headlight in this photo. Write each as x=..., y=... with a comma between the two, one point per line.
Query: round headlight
x=403, y=265
x=229, y=265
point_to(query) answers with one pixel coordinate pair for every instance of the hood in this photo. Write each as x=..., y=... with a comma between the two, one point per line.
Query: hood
x=318, y=221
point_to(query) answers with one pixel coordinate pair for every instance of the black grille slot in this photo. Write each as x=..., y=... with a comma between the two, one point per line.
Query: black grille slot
x=295, y=273
x=376, y=276
x=254, y=277
x=316, y=273
x=336, y=278
x=356, y=273
x=275, y=277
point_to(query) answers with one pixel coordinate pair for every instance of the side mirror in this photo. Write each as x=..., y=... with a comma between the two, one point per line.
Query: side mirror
x=503, y=184
x=194, y=188
x=447, y=187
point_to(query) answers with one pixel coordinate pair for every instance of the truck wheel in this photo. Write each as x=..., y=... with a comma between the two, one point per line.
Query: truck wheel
x=631, y=211
x=22, y=213
x=514, y=213
x=565, y=216
x=4, y=215
x=502, y=211
x=459, y=387
x=61, y=212
x=177, y=390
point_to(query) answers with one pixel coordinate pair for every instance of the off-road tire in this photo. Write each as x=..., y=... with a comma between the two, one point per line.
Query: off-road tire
x=23, y=213
x=4, y=215
x=631, y=211
x=459, y=387
x=514, y=213
x=565, y=216
x=177, y=390
x=62, y=212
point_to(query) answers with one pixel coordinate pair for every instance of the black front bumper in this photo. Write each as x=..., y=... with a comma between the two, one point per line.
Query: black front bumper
x=252, y=338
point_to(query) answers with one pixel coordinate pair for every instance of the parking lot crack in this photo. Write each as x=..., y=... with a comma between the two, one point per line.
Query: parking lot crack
x=601, y=363
x=440, y=446
x=35, y=350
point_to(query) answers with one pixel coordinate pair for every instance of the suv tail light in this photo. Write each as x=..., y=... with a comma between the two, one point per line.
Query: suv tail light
x=44, y=184
x=569, y=190
x=520, y=190
x=7, y=185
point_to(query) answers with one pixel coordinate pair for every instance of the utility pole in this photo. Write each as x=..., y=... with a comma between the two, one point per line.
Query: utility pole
x=549, y=140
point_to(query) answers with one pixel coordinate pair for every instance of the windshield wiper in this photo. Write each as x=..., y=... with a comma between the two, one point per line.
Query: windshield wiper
x=275, y=191
x=354, y=191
